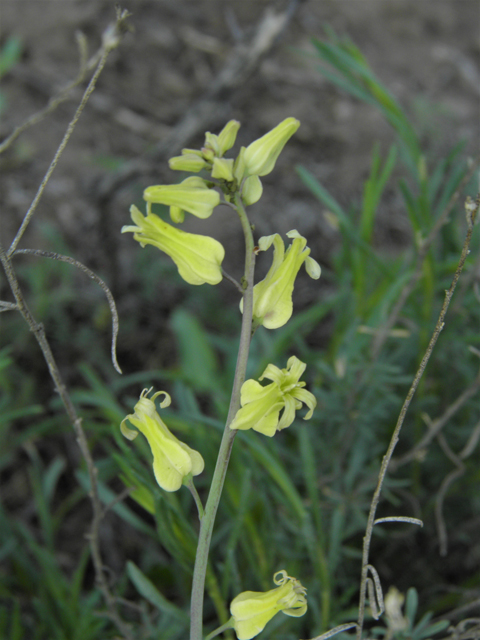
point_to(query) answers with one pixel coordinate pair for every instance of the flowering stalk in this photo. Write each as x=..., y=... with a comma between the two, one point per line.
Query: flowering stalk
x=208, y=519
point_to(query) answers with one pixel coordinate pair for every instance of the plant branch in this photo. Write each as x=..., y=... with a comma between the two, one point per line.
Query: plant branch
x=93, y=276
x=93, y=536
x=111, y=40
x=471, y=213
x=384, y=331
x=437, y=425
x=208, y=520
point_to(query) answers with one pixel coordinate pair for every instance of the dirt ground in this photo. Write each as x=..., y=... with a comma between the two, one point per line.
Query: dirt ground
x=425, y=52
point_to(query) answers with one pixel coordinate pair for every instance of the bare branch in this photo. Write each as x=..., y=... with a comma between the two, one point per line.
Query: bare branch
x=437, y=425
x=97, y=279
x=335, y=630
x=39, y=333
x=7, y=306
x=399, y=519
x=111, y=40
x=401, y=418
x=385, y=330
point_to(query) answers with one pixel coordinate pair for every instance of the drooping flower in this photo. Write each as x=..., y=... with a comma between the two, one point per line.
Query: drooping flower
x=198, y=258
x=261, y=406
x=172, y=460
x=272, y=297
x=251, y=610
x=260, y=156
x=192, y=195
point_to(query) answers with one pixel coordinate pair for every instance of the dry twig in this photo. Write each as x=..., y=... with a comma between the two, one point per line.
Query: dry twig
x=111, y=39
x=471, y=209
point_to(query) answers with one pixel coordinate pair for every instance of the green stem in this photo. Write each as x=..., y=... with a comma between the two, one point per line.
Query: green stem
x=193, y=490
x=206, y=526
x=224, y=627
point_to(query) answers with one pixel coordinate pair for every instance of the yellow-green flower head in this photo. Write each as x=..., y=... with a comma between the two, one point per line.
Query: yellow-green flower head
x=192, y=195
x=251, y=610
x=261, y=155
x=198, y=258
x=261, y=406
x=172, y=460
x=272, y=297
x=225, y=139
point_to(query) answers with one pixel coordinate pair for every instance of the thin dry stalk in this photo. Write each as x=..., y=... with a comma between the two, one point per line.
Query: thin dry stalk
x=111, y=39
x=437, y=425
x=472, y=209
x=385, y=330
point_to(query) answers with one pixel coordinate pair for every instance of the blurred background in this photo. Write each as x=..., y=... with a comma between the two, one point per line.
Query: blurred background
x=388, y=96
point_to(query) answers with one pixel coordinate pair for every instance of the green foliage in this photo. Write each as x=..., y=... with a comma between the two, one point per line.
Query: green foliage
x=10, y=54
x=297, y=501
x=411, y=631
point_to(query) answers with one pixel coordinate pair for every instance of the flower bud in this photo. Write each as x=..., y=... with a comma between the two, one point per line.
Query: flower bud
x=188, y=162
x=252, y=190
x=223, y=169
x=191, y=195
x=225, y=140
x=227, y=136
x=261, y=155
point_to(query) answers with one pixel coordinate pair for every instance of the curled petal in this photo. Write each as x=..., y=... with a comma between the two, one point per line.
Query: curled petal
x=307, y=398
x=252, y=610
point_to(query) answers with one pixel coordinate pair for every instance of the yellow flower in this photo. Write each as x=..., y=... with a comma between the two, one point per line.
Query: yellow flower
x=192, y=195
x=172, y=460
x=251, y=610
x=260, y=156
x=198, y=258
x=272, y=297
x=261, y=406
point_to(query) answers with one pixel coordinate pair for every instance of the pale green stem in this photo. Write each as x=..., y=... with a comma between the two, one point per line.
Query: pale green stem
x=193, y=490
x=224, y=627
x=206, y=526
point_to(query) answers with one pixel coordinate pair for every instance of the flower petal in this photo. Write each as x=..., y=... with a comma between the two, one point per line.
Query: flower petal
x=198, y=258
x=261, y=155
